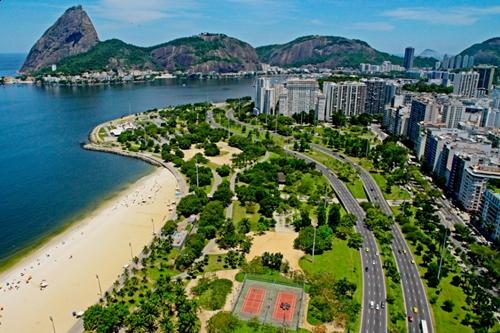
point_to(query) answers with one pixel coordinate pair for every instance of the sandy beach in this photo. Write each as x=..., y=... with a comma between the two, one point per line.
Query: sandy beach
x=68, y=264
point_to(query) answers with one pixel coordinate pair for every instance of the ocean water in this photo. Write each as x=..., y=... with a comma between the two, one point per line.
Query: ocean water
x=10, y=63
x=46, y=178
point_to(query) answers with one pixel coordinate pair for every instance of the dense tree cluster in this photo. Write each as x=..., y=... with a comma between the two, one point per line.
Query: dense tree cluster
x=352, y=144
x=424, y=87
x=389, y=156
x=305, y=240
x=332, y=299
x=262, y=182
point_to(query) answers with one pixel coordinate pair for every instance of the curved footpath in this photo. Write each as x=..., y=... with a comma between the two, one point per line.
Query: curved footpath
x=372, y=321
x=412, y=285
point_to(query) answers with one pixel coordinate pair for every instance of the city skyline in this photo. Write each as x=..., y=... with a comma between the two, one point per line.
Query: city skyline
x=390, y=26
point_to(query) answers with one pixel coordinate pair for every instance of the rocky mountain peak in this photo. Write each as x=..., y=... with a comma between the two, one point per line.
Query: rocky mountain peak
x=72, y=34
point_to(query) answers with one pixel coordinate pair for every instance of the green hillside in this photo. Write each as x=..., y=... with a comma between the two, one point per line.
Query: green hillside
x=110, y=54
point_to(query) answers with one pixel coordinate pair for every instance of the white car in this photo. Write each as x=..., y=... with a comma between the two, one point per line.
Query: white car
x=372, y=304
x=377, y=307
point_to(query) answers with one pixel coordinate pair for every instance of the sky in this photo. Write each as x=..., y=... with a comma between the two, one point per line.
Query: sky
x=447, y=26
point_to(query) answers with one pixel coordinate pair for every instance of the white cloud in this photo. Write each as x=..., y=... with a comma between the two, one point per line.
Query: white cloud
x=451, y=16
x=137, y=11
x=316, y=22
x=373, y=26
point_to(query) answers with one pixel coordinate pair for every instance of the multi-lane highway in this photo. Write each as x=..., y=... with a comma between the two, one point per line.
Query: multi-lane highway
x=413, y=289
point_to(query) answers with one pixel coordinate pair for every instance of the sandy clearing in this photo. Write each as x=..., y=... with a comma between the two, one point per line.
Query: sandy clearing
x=277, y=242
x=226, y=154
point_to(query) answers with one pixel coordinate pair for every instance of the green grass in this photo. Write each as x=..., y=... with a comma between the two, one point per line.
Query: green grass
x=342, y=262
x=357, y=189
x=215, y=263
x=212, y=294
x=270, y=276
x=355, y=185
x=444, y=321
x=395, y=308
x=248, y=327
x=102, y=133
x=397, y=193
x=240, y=212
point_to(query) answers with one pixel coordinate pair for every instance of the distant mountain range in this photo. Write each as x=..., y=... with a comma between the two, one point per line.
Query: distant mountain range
x=73, y=45
x=428, y=53
x=487, y=52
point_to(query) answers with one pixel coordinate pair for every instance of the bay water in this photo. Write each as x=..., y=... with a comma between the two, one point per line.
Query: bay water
x=46, y=179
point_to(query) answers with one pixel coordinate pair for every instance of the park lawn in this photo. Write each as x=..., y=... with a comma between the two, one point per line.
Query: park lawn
x=240, y=212
x=364, y=163
x=212, y=294
x=215, y=263
x=356, y=186
x=397, y=193
x=444, y=321
x=357, y=189
x=342, y=262
x=269, y=276
x=396, y=310
x=449, y=321
x=102, y=133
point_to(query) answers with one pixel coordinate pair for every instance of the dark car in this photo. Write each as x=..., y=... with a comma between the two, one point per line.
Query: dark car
x=382, y=305
x=410, y=318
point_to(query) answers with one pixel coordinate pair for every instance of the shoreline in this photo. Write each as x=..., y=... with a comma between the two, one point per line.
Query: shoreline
x=34, y=246
x=88, y=244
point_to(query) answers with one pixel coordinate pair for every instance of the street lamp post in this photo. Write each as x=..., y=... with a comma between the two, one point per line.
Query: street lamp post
x=53, y=325
x=99, y=284
x=131, y=252
x=153, y=223
x=442, y=252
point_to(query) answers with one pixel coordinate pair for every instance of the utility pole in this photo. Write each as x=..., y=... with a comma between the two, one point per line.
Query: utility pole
x=153, y=223
x=131, y=253
x=314, y=242
x=442, y=251
x=197, y=176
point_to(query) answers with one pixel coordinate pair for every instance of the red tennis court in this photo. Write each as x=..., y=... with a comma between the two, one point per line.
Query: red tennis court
x=253, y=301
x=284, y=307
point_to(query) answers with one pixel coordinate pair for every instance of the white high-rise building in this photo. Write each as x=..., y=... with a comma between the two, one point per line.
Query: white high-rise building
x=465, y=84
x=320, y=107
x=301, y=95
x=471, y=61
x=453, y=112
x=261, y=85
x=268, y=101
x=347, y=97
x=465, y=61
x=473, y=185
x=458, y=61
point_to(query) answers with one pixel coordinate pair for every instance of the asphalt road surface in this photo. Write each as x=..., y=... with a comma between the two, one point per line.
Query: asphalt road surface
x=413, y=289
